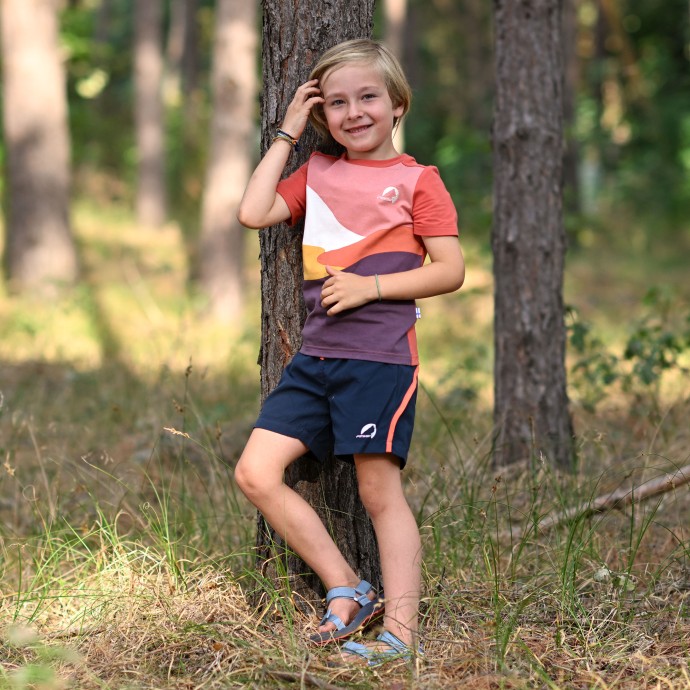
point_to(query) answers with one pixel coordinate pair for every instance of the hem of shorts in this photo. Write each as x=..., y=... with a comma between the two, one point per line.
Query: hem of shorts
x=396, y=451
x=284, y=430
x=383, y=357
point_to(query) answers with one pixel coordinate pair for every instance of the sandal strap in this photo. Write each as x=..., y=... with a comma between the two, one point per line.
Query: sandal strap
x=358, y=593
x=397, y=649
x=394, y=642
x=330, y=617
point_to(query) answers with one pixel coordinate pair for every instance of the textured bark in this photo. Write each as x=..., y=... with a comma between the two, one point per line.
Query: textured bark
x=531, y=403
x=294, y=36
x=151, y=194
x=221, y=251
x=40, y=250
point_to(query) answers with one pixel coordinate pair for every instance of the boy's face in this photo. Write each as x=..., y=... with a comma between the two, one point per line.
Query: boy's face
x=359, y=111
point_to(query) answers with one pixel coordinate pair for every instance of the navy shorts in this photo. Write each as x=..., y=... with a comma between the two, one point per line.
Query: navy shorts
x=345, y=406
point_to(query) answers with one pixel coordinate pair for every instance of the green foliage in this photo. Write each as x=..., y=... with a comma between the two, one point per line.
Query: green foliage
x=631, y=124
x=658, y=343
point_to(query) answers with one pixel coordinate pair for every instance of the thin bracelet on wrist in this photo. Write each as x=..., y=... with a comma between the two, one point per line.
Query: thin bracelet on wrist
x=378, y=287
x=281, y=135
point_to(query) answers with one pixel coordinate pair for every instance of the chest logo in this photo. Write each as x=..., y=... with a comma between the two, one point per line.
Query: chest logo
x=390, y=194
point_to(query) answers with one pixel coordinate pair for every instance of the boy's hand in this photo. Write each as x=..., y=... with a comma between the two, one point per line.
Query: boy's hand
x=346, y=291
x=297, y=114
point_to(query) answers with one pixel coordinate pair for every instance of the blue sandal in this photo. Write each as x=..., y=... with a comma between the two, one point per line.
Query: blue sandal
x=396, y=650
x=369, y=611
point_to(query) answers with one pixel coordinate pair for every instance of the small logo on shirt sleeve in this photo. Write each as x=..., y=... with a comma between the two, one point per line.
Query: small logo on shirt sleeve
x=390, y=194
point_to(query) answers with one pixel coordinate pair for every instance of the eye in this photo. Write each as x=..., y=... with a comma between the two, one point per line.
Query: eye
x=336, y=102
x=369, y=96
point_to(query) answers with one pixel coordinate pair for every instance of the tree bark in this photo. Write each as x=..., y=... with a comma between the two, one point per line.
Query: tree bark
x=151, y=194
x=531, y=404
x=40, y=251
x=221, y=252
x=294, y=36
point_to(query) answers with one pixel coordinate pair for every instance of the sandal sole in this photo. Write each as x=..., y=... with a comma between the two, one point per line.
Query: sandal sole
x=365, y=617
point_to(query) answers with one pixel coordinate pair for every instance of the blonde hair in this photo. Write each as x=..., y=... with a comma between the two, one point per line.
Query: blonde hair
x=367, y=51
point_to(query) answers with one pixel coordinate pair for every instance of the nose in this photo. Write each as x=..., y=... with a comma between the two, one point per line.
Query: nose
x=353, y=110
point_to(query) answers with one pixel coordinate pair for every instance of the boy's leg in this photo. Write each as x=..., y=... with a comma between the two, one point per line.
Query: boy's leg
x=380, y=489
x=260, y=475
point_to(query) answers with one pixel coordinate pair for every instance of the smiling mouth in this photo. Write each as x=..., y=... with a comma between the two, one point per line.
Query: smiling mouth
x=357, y=130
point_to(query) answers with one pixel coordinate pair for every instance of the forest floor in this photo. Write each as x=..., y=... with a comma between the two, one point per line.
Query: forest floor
x=126, y=551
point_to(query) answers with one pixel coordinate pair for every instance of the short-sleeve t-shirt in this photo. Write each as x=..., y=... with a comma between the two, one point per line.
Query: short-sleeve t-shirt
x=366, y=217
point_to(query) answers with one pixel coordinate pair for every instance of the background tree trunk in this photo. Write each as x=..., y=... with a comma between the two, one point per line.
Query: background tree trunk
x=294, y=36
x=395, y=23
x=40, y=250
x=531, y=404
x=151, y=195
x=571, y=159
x=221, y=253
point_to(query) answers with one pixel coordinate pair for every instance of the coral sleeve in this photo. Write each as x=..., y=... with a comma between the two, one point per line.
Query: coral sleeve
x=433, y=211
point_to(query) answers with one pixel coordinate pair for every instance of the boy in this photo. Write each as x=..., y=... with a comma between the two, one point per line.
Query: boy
x=371, y=218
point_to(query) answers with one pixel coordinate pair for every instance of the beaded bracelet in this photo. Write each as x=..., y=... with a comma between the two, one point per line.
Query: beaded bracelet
x=284, y=136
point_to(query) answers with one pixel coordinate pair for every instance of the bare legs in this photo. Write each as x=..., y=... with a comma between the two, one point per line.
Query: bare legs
x=380, y=489
x=259, y=474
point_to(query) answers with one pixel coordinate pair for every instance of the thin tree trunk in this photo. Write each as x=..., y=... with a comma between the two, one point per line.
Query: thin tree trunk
x=40, y=250
x=234, y=91
x=395, y=20
x=571, y=157
x=151, y=195
x=531, y=404
x=294, y=36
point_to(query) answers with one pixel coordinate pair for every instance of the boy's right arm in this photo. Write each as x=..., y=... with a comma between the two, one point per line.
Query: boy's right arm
x=261, y=205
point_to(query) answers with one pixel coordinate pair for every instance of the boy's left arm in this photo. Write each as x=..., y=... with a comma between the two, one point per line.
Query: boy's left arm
x=444, y=273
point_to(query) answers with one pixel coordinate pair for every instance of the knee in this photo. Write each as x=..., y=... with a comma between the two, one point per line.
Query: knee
x=252, y=481
x=373, y=499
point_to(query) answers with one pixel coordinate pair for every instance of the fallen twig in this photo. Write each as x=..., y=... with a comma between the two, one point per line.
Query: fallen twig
x=615, y=500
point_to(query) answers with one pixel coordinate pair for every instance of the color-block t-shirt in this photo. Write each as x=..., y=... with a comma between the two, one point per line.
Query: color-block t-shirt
x=366, y=217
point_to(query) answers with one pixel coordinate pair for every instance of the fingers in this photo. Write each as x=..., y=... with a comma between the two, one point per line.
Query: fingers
x=306, y=97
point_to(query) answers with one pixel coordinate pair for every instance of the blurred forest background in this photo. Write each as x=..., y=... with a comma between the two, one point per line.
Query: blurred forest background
x=142, y=136
x=130, y=329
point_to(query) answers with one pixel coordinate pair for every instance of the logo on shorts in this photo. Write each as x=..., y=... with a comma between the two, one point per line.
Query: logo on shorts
x=368, y=431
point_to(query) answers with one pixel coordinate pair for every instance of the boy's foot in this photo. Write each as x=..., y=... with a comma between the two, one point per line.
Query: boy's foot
x=349, y=609
x=385, y=649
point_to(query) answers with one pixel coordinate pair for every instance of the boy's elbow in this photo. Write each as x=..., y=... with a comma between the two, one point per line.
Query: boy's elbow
x=460, y=279
x=244, y=218
x=457, y=280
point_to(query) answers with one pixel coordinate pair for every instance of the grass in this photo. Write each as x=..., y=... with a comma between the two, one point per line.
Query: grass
x=126, y=551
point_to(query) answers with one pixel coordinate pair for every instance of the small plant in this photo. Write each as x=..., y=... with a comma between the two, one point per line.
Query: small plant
x=657, y=344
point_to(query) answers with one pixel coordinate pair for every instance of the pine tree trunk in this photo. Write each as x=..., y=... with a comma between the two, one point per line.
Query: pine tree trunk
x=39, y=250
x=294, y=36
x=151, y=194
x=221, y=253
x=531, y=403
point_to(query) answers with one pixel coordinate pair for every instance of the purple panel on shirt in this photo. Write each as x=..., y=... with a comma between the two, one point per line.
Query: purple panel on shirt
x=376, y=331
